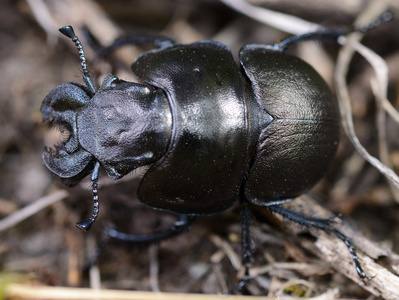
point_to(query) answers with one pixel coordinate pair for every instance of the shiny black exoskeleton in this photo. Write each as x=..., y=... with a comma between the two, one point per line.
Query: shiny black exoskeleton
x=211, y=132
x=208, y=129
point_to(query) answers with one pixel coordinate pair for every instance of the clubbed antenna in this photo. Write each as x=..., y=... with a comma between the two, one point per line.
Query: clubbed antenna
x=69, y=32
x=86, y=224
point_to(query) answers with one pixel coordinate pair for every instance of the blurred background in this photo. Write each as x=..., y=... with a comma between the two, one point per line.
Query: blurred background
x=47, y=248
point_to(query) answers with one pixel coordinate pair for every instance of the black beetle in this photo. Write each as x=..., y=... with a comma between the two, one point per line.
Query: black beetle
x=212, y=133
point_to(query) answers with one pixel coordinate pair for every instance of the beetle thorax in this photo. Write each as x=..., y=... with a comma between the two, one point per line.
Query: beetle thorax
x=125, y=126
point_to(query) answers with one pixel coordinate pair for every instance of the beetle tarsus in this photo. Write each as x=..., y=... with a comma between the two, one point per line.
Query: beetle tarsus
x=329, y=34
x=323, y=34
x=363, y=276
x=323, y=224
x=385, y=17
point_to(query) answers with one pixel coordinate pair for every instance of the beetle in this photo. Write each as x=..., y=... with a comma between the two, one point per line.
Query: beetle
x=212, y=133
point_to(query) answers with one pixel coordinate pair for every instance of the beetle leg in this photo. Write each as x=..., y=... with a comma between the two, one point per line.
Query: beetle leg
x=323, y=224
x=157, y=41
x=329, y=34
x=324, y=34
x=182, y=224
x=247, y=248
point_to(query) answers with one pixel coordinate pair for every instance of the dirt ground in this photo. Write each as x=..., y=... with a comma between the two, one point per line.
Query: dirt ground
x=47, y=249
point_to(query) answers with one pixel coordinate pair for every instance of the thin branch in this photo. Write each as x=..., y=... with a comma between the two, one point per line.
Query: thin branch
x=21, y=291
x=344, y=58
x=31, y=209
x=283, y=22
x=385, y=280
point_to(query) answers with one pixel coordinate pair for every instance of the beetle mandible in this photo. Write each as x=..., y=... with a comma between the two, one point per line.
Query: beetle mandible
x=211, y=132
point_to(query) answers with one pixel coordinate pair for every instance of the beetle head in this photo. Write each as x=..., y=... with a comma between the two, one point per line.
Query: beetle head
x=67, y=159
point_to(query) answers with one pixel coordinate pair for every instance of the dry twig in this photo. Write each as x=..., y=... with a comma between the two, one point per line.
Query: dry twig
x=385, y=281
x=31, y=209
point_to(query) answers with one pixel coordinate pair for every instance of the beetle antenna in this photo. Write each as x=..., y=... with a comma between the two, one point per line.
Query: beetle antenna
x=69, y=32
x=86, y=224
